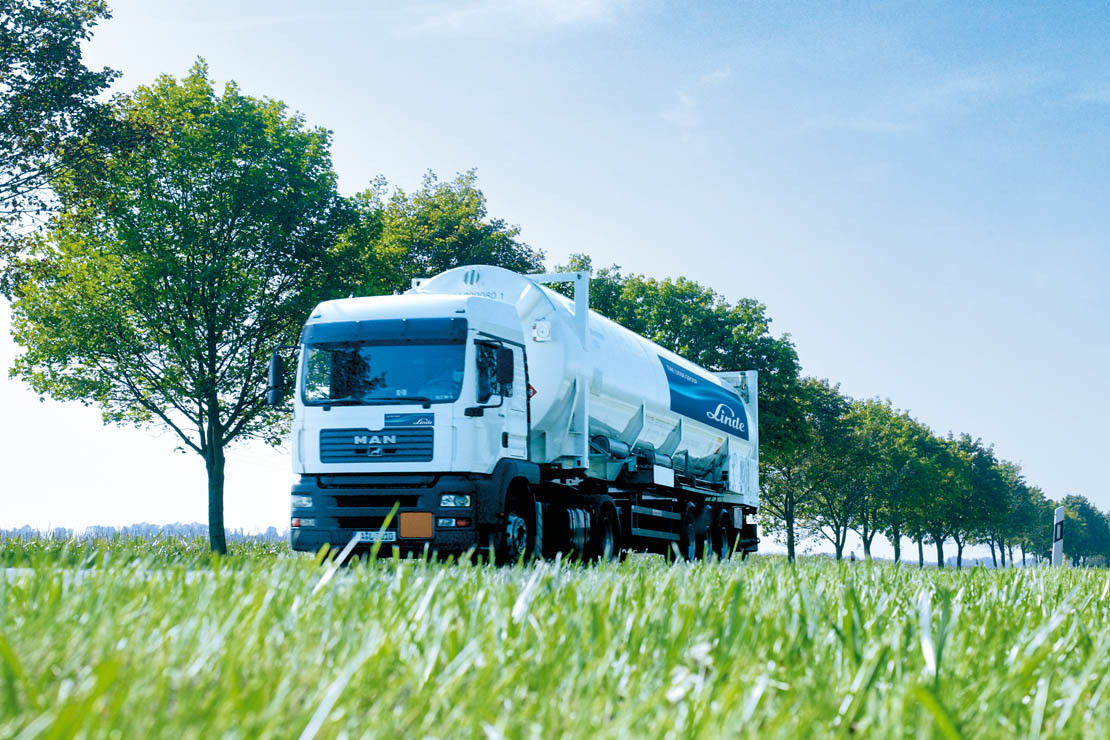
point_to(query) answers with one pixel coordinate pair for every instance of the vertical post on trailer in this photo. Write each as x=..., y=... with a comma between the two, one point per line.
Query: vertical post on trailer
x=1058, y=537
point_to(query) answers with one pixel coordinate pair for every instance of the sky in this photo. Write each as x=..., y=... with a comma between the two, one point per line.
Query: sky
x=918, y=192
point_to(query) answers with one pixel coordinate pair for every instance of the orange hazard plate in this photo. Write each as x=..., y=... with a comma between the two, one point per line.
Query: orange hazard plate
x=416, y=524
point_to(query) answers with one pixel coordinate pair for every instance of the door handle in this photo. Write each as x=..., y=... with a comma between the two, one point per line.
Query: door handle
x=504, y=439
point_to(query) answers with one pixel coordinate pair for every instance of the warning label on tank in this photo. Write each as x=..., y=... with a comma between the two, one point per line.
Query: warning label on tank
x=705, y=401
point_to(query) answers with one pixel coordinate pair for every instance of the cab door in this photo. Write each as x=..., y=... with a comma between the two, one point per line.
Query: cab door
x=502, y=395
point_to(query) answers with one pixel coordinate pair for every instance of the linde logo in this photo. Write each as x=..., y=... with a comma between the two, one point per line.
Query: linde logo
x=374, y=439
x=423, y=422
x=725, y=415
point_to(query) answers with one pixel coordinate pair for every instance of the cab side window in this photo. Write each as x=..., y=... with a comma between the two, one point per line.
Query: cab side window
x=488, y=385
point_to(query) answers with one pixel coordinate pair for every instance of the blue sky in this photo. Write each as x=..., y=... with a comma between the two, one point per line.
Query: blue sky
x=918, y=191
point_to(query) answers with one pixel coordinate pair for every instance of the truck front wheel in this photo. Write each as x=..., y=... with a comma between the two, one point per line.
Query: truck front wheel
x=519, y=532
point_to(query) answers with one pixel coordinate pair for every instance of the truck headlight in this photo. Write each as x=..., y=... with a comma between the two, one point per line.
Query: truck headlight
x=454, y=500
x=297, y=523
x=302, y=502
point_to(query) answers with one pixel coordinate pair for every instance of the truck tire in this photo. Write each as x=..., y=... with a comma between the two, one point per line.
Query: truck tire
x=518, y=536
x=722, y=537
x=688, y=536
x=705, y=523
x=605, y=537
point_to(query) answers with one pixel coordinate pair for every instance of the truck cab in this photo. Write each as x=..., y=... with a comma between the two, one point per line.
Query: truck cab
x=418, y=402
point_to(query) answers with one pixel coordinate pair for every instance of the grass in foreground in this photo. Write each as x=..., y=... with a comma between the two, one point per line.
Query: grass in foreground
x=176, y=645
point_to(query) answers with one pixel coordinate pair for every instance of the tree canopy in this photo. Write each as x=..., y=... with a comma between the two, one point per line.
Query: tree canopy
x=160, y=289
x=49, y=114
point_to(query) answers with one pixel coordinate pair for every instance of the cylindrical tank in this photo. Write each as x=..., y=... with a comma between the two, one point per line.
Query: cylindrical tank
x=639, y=393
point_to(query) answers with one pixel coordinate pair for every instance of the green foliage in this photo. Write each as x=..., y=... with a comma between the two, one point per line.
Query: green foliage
x=440, y=226
x=248, y=647
x=1086, y=530
x=47, y=103
x=801, y=485
x=160, y=289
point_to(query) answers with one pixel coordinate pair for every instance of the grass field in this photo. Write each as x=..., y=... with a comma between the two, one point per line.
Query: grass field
x=133, y=640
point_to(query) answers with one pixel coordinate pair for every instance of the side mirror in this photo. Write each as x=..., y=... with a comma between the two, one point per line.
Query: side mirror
x=505, y=369
x=276, y=375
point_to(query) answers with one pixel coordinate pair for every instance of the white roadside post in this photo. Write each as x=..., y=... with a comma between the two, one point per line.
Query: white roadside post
x=1058, y=537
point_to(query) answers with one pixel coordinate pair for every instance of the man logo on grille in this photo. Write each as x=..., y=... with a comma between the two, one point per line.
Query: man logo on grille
x=375, y=439
x=471, y=277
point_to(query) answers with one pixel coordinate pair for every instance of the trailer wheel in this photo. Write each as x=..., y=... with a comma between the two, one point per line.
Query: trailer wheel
x=688, y=536
x=704, y=527
x=605, y=538
x=722, y=537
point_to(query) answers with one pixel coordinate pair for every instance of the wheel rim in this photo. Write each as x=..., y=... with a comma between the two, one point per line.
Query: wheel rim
x=516, y=537
x=722, y=533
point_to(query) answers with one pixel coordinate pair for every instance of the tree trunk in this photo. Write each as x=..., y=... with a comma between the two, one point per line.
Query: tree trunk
x=839, y=550
x=790, y=540
x=1010, y=554
x=896, y=540
x=1002, y=553
x=959, y=554
x=867, y=546
x=994, y=560
x=1022, y=556
x=214, y=461
x=920, y=552
x=940, y=552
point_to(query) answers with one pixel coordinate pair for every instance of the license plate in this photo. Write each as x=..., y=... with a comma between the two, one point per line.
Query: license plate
x=376, y=536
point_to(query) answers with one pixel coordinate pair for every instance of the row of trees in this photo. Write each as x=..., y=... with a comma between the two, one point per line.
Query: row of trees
x=868, y=468
x=156, y=247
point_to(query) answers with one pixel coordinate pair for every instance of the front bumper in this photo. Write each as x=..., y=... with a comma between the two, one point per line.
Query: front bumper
x=343, y=505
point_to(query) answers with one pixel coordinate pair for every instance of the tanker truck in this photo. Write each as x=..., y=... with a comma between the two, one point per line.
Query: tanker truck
x=482, y=411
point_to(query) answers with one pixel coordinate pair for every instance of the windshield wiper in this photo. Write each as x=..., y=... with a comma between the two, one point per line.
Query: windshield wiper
x=345, y=401
x=427, y=402
x=352, y=401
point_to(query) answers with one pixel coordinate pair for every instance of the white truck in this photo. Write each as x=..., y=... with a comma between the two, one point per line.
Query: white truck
x=483, y=411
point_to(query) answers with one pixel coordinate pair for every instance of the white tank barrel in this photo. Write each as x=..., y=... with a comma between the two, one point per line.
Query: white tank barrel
x=632, y=391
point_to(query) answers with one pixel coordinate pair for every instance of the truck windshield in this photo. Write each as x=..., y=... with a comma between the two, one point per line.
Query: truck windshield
x=357, y=373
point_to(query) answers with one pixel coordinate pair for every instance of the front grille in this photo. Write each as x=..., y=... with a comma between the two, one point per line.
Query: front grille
x=396, y=444
x=376, y=481
x=378, y=500
x=365, y=522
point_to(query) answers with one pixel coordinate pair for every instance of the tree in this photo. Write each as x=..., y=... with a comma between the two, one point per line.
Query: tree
x=1006, y=523
x=843, y=458
x=980, y=494
x=49, y=116
x=880, y=472
x=940, y=514
x=160, y=289
x=1033, y=523
x=1086, y=531
x=440, y=226
x=906, y=442
x=795, y=481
